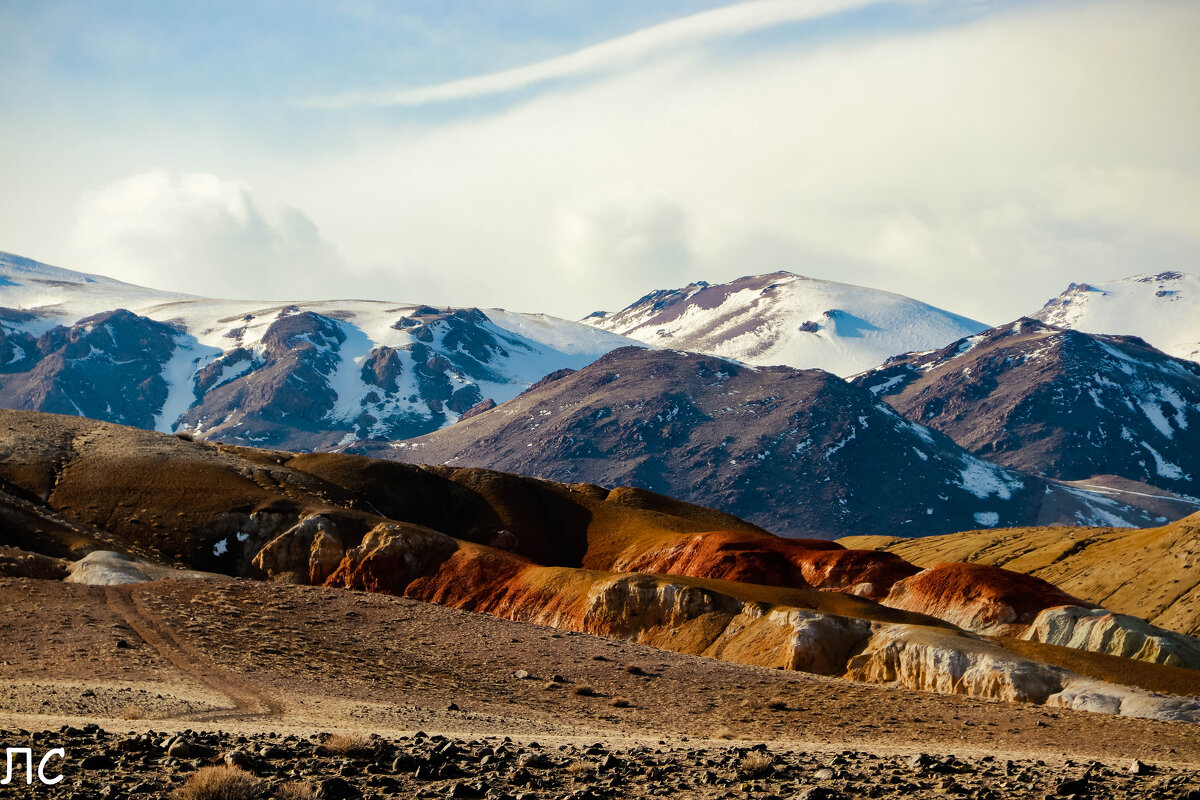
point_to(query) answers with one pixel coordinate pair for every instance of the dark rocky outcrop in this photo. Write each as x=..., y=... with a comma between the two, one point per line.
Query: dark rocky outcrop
x=798, y=452
x=107, y=366
x=1056, y=402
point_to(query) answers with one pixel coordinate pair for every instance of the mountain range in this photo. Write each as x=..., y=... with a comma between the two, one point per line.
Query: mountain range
x=306, y=375
x=1042, y=423
x=1059, y=402
x=1163, y=308
x=797, y=452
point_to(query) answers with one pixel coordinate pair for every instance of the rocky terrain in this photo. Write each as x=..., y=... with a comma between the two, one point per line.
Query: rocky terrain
x=305, y=375
x=621, y=563
x=798, y=452
x=328, y=693
x=788, y=319
x=345, y=766
x=1162, y=308
x=1056, y=402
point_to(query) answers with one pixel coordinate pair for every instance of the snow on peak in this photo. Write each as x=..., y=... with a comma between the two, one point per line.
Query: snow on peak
x=366, y=367
x=1163, y=308
x=788, y=319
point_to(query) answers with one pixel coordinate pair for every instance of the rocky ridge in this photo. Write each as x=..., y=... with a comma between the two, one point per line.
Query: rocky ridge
x=1151, y=573
x=798, y=452
x=1056, y=402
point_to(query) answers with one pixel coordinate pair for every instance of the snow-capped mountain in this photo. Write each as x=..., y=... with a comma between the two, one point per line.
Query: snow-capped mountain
x=787, y=319
x=303, y=375
x=797, y=452
x=1163, y=309
x=1057, y=402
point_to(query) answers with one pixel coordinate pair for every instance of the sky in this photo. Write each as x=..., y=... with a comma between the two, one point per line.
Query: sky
x=566, y=157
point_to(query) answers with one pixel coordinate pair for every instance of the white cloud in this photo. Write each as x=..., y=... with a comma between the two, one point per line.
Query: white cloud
x=610, y=55
x=980, y=167
x=198, y=233
x=624, y=237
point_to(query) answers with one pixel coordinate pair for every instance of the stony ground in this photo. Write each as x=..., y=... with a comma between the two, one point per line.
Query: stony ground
x=103, y=764
x=118, y=676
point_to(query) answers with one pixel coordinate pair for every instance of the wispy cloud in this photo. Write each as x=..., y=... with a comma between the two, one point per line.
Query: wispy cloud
x=607, y=56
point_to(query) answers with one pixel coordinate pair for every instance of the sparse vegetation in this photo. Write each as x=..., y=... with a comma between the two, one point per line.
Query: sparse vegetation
x=620, y=702
x=756, y=764
x=132, y=712
x=777, y=704
x=583, y=690
x=296, y=790
x=222, y=783
x=347, y=744
x=634, y=669
x=722, y=733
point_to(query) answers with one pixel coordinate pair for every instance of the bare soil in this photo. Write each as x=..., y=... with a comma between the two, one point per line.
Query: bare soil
x=252, y=659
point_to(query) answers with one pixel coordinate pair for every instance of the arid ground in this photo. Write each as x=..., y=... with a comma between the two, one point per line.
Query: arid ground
x=271, y=665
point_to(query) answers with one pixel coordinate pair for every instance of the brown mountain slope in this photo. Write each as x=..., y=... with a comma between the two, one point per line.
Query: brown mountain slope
x=1153, y=574
x=562, y=556
x=1056, y=402
x=799, y=452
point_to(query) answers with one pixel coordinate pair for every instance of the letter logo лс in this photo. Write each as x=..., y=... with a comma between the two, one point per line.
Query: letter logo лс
x=41, y=770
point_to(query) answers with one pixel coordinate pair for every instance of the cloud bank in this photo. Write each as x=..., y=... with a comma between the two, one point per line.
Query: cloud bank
x=979, y=161
x=980, y=167
x=200, y=234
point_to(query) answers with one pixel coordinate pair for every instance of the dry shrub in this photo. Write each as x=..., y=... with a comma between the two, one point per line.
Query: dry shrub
x=619, y=702
x=296, y=791
x=756, y=764
x=347, y=744
x=777, y=704
x=585, y=691
x=132, y=712
x=580, y=767
x=722, y=733
x=222, y=783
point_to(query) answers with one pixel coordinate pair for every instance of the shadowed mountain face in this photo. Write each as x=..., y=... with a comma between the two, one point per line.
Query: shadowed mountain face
x=622, y=563
x=798, y=452
x=1056, y=402
x=787, y=319
x=304, y=376
x=106, y=366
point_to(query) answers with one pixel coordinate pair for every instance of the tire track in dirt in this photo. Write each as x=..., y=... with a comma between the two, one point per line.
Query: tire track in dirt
x=247, y=699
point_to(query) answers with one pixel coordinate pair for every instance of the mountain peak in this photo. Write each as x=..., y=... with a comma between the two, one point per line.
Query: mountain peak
x=1162, y=308
x=789, y=319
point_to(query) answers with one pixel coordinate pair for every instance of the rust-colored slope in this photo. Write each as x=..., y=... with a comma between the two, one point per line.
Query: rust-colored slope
x=1150, y=573
x=750, y=558
x=979, y=597
x=800, y=629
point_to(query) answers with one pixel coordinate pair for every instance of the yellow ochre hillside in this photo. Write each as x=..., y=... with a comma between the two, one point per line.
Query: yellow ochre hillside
x=1151, y=573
